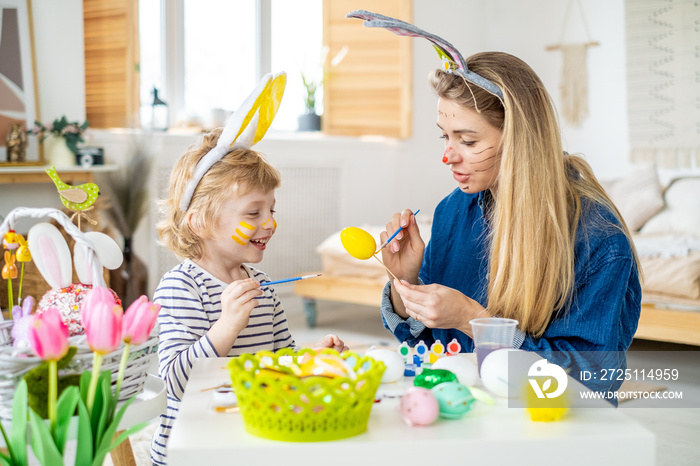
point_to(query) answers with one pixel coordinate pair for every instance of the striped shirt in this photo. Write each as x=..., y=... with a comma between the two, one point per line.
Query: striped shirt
x=190, y=300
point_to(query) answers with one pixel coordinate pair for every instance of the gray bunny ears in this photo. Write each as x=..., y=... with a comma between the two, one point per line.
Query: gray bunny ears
x=451, y=58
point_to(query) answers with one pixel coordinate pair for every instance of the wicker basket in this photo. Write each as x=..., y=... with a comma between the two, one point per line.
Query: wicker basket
x=16, y=362
x=281, y=406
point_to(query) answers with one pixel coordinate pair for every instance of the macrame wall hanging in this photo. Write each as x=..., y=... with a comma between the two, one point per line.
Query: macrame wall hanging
x=662, y=46
x=574, y=74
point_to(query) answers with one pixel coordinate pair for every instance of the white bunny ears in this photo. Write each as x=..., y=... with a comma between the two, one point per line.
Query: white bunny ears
x=244, y=128
x=51, y=254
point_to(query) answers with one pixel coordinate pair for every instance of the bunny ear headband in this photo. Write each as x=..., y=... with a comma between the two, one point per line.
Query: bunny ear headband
x=451, y=58
x=244, y=128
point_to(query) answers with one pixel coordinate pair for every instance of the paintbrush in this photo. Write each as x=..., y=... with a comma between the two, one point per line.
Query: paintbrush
x=304, y=277
x=393, y=235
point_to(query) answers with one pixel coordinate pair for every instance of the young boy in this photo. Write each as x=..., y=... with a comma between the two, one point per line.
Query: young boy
x=212, y=303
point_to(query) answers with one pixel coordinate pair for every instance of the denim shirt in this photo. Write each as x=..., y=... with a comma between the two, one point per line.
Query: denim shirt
x=602, y=316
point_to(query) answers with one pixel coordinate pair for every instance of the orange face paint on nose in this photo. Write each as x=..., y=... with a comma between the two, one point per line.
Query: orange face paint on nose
x=444, y=157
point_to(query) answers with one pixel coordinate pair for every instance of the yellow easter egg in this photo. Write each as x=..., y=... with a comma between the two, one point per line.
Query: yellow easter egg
x=327, y=365
x=545, y=409
x=358, y=243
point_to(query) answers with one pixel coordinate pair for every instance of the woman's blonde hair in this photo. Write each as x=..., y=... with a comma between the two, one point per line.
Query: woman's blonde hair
x=240, y=171
x=538, y=202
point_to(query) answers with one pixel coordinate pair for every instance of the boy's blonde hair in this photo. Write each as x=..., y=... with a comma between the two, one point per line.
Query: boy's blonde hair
x=240, y=171
x=538, y=202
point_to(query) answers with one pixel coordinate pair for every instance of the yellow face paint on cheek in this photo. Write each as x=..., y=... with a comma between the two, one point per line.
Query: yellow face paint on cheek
x=242, y=237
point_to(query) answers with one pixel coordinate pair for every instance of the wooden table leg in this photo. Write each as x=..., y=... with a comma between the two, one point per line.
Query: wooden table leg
x=123, y=455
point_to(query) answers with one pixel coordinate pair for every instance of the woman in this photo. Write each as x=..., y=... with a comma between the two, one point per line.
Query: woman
x=529, y=233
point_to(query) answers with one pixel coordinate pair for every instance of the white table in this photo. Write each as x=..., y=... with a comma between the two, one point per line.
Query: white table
x=493, y=435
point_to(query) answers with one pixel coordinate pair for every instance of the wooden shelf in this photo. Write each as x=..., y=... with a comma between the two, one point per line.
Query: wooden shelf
x=37, y=174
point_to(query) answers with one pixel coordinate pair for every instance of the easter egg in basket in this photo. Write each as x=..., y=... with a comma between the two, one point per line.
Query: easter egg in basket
x=327, y=365
x=69, y=301
x=330, y=399
x=53, y=260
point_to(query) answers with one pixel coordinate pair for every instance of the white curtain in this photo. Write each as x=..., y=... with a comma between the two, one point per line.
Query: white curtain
x=663, y=81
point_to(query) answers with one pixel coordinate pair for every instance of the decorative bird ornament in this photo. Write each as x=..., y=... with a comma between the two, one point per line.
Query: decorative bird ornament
x=76, y=198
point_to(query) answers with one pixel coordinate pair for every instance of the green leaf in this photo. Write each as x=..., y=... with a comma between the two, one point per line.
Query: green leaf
x=42, y=443
x=84, y=448
x=5, y=460
x=106, y=445
x=107, y=406
x=65, y=408
x=127, y=433
x=18, y=435
x=85, y=385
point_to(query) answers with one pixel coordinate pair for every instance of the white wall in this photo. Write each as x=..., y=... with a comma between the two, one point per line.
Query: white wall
x=60, y=62
x=524, y=28
x=382, y=176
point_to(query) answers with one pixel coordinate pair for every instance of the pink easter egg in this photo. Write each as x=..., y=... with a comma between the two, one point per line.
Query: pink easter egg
x=69, y=300
x=419, y=407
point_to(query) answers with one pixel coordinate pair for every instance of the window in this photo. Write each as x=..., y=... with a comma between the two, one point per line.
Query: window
x=205, y=56
x=216, y=51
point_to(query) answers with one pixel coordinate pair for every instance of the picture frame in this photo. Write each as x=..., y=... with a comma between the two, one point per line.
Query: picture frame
x=19, y=101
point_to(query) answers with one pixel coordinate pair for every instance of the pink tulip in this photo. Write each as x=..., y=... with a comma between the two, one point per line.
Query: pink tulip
x=98, y=294
x=103, y=324
x=139, y=319
x=48, y=335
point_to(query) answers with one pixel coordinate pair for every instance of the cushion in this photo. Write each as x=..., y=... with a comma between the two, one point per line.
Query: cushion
x=676, y=277
x=638, y=196
x=682, y=211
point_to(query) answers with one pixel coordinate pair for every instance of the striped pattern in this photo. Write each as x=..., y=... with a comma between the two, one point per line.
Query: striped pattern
x=190, y=300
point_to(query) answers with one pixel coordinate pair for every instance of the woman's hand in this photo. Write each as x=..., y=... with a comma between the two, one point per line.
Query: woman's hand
x=404, y=255
x=438, y=306
x=331, y=341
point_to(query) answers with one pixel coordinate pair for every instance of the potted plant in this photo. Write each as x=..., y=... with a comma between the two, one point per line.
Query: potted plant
x=92, y=405
x=65, y=136
x=310, y=121
x=312, y=82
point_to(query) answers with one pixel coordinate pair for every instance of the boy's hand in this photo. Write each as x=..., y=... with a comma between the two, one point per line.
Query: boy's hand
x=237, y=302
x=331, y=341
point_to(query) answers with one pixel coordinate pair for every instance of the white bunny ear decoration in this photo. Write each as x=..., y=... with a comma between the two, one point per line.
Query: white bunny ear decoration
x=244, y=128
x=49, y=249
x=108, y=253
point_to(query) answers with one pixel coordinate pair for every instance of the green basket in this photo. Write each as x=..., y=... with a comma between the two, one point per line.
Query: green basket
x=278, y=405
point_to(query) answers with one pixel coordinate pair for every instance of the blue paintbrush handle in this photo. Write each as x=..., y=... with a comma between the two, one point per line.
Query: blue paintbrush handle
x=394, y=235
x=286, y=280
